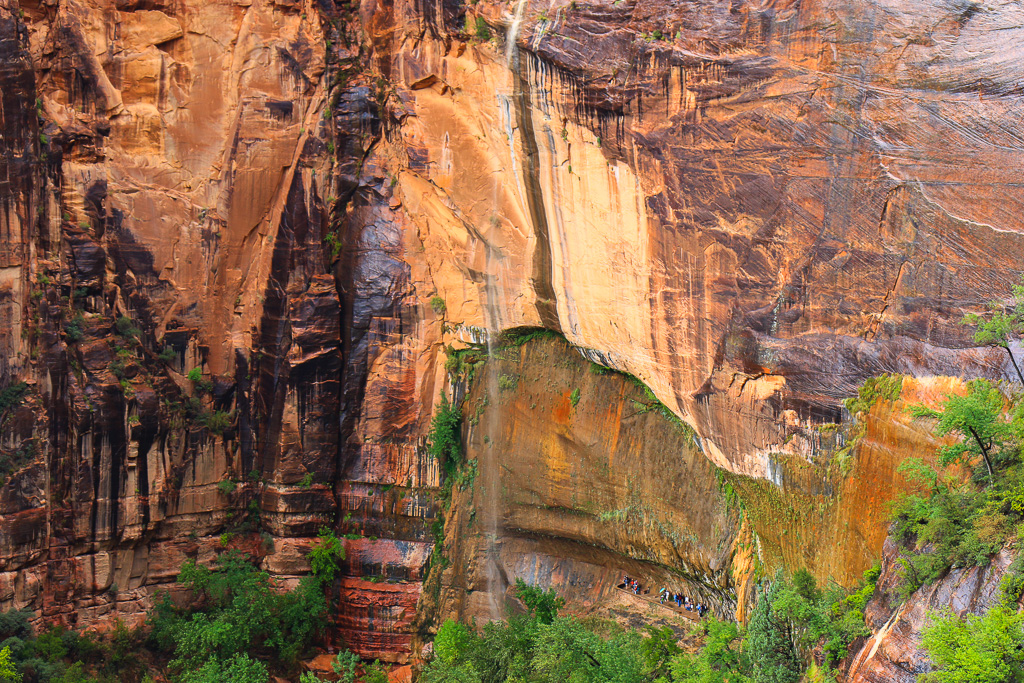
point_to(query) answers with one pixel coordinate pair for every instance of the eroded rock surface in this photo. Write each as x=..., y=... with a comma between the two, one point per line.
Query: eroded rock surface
x=749, y=206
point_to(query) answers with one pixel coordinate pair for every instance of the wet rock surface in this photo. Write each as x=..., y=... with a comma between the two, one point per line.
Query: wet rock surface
x=223, y=225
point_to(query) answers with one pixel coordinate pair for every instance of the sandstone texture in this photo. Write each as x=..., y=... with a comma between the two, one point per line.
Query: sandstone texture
x=237, y=235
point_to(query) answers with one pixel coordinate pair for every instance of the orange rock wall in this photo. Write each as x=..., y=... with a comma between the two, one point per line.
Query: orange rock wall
x=749, y=206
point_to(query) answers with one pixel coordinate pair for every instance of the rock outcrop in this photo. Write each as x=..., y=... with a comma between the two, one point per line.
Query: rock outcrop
x=893, y=653
x=236, y=235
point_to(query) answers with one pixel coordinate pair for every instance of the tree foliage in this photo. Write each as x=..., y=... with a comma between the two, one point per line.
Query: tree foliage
x=8, y=671
x=236, y=613
x=950, y=522
x=540, y=604
x=444, y=441
x=770, y=640
x=975, y=650
x=1001, y=324
x=981, y=424
x=325, y=554
x=793, y=622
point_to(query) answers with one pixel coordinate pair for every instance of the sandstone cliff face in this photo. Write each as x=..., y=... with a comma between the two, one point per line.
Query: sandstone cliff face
x=749, y=206
x=894, y=652
x=170, y=174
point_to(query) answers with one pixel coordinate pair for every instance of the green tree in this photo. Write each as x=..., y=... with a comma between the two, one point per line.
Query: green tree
x=567, y=651
x=721, y=660
x=455, y=648
x=979, y=420
x=239, y=668
x=941, y=527
x=452, y=641
x=1001, y=325
x=540, y=604
x=770, y=642
x=657, y=651
x=982, y=649
x=236, y=613
x=324, y=556
x=8, y=670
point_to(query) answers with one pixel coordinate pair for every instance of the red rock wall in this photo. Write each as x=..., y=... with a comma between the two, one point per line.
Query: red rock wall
x=749, y=206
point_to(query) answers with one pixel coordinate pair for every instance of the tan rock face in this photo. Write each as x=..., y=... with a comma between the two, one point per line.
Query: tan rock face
x=749, y=206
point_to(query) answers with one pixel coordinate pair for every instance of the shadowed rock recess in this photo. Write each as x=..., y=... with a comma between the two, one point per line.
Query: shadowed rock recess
x=238, y=236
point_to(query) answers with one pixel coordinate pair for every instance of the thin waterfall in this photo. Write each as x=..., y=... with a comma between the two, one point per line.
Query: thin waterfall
x=513, y=32
x=491, y=455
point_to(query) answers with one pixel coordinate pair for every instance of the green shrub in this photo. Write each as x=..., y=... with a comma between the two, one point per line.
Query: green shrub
x=168, y=354
x=307, y=480
x=236, y=614
x=325, y=554
x=73, y=330
x=218, y=421
x=451, y=641
x=345, y=664
x=885, y=386
x=540, y=604
x=444, y=441
x=574, y=397
x=227, y=487
x=438, y=305
x=12, y=396
x=722, y=658
x=986, y=648
x=127, y=328
x=508, y=382
x=477, y=28
x=334, y=244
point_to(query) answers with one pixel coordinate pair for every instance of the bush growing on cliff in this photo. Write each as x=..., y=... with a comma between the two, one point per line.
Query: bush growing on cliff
x=325, y=554
x=477, y=28
x=218, y=421
x=885, y=386
x=11, y=397
x=444, y=441
x=127, y=328
x=952, y=523
x=74, y=329
x=235, y=617
x=1002, y=324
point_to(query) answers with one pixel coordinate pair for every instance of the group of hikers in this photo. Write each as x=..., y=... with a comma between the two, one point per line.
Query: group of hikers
x=682, y=602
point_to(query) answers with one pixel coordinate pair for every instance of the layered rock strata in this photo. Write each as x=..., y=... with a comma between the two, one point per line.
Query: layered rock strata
x=236, y=235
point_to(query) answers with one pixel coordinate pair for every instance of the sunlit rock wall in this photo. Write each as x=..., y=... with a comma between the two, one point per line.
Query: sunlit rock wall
x=749, y=206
